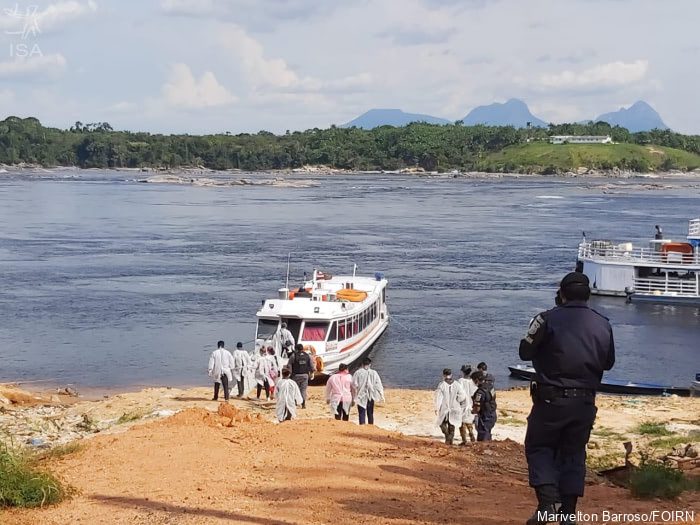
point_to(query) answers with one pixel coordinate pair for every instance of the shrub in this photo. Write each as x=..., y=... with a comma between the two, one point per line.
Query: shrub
x=24, y=485
x=654, y=480
x=651, y=428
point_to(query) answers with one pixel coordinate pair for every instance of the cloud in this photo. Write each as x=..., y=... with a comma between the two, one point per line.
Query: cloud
x=613, y=74
x=183, y=90
x=33, y=21
x=189, y=7
x=122, y=107
x=260, y=70
x=32, y=67
x=7, y=99
x=415, y=37
x=273, y=75
x=252, y=13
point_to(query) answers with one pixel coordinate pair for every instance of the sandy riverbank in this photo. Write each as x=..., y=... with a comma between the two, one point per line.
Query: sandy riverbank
x=163, y=455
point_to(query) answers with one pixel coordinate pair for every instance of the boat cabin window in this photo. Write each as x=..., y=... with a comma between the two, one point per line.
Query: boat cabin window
x=267, y=328
x=341, y=330
x=333, y=333
x=314, y=331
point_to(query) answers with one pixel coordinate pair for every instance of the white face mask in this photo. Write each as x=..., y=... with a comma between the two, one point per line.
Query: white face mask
x=448, y=378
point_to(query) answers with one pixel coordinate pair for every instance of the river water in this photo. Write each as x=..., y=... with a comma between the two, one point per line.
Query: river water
x=108, y=282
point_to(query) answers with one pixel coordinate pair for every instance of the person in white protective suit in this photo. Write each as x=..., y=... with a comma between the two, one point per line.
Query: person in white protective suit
x=241, y=370
x=450, y=403
x=263, y=373
x=468, y=419
x=288, y=397
x=220, y=364
x=368, y=390
x=281, y=338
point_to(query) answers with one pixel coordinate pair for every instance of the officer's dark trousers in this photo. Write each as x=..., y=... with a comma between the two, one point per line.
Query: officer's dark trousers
x=484, y=426
x=302, y=381
x=224, y=382
x=555, y=444
x=369, y=412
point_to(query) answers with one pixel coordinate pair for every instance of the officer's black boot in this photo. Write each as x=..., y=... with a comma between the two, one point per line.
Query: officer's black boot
x=547, y=496
x=568, y=510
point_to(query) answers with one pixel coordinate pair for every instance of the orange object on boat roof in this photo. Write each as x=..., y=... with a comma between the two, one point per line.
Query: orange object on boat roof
x=677, y=247
x=354, y=296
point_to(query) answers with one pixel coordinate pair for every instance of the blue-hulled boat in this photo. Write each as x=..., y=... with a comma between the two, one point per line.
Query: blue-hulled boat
x=613, y=386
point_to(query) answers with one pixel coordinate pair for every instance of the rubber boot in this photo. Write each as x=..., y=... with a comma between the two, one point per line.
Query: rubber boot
x=547, y=496
x=568, y=510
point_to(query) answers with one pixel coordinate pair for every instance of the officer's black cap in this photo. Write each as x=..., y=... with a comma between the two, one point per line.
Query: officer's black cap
x=574, y=279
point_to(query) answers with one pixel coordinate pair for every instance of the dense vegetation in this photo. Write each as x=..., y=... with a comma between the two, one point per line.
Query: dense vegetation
x=432, y=147
x=24, y=484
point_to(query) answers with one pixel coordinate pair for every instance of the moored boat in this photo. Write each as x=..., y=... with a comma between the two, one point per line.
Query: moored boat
x=612, y=386
x=340, y=318
x=665, y=271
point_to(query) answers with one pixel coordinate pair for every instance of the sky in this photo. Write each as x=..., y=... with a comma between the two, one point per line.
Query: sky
x=211, y=66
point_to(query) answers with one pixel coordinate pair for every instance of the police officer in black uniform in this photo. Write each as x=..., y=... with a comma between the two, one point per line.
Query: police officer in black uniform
x=570, y=346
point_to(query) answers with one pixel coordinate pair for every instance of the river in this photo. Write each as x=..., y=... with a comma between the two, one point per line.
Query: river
x=111, y=283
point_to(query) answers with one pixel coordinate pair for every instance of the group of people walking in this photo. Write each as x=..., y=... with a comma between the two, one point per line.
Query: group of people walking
x=289, y=383
x=466, y=403
x=363, y=388
x=263, y=370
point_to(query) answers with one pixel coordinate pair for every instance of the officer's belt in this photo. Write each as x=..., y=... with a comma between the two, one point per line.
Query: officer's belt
x=546, y=392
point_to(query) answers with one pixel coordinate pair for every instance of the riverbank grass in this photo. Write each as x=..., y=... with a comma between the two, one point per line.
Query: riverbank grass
x=24, y=484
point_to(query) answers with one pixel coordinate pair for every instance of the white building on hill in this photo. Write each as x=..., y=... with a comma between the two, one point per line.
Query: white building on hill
x=580, y=139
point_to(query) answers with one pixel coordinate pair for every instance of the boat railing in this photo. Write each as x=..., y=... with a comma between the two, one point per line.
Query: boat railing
x=675, y=287
x=694, y=228
x=616, y=253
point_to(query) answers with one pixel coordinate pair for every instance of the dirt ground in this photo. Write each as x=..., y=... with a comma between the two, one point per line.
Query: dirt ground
x=198, y=467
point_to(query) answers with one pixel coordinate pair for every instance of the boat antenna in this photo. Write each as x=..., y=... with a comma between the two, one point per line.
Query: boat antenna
x=289, y=258
x=584, y=236
x=354, y=270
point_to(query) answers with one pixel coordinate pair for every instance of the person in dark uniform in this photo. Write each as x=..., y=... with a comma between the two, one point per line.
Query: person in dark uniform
x=484, y=407
x=570, y=346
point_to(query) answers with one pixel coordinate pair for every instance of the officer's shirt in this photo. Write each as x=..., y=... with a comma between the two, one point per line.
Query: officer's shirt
x=570, y=346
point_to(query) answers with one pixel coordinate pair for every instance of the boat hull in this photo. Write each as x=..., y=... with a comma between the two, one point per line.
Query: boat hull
x=663, y=299
x=612, y=386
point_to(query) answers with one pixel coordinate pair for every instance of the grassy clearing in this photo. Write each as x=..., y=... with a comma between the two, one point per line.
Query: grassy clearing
x=23, y=484
x=669, y=442
x=60, y=451
x=606, y=432
x=605, y=461
x=545, y=158
x=512, y=421
x=651, y=428
x=655, y=480
x=128, y=417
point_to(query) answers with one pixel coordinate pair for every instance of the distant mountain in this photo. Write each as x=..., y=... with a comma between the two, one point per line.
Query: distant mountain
x=640, y=116
x=391, y=117
x=512, y=113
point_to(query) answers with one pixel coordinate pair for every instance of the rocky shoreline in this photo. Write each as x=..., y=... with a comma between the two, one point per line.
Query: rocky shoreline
x=323, y=170
x=49, y=418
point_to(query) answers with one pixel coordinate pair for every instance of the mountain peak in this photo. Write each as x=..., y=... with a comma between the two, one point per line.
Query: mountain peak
x=513, y=112
x=640, y=116
x=391, y=117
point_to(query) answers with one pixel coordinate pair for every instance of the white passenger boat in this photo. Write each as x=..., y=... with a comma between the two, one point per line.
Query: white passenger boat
x=339, y=317
x=665, y=271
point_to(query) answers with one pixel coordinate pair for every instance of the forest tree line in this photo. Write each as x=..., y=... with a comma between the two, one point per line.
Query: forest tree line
x=432, y=147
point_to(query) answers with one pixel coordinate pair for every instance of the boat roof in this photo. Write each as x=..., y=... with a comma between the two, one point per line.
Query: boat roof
x=321, y=305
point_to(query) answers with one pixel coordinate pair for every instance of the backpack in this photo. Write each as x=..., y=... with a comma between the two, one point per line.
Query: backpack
x=302, y=363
